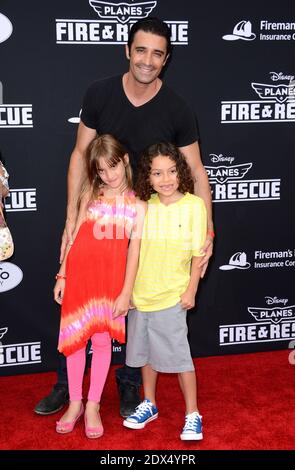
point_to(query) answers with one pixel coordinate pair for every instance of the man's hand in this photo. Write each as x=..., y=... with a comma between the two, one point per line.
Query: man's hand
x=208, y=250
x=67, y=238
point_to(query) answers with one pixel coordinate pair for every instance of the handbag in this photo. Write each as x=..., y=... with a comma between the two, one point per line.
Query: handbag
x=6, y=240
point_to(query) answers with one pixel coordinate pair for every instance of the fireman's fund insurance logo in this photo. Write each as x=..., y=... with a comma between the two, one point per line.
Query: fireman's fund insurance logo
x=261, y=259
x=113, y=24
x=273, y=322
x=242, y=30
x=276, y=102
x=266, y=31
x=237, y=261
x=229, y=182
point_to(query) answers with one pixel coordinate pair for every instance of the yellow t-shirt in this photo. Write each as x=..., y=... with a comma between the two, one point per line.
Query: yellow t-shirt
x=172, y=235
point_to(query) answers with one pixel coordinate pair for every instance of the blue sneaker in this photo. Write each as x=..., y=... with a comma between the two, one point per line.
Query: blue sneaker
x=144, y=413
x=192, y=430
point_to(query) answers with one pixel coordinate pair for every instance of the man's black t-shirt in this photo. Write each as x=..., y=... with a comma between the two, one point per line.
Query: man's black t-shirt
x=166, y=117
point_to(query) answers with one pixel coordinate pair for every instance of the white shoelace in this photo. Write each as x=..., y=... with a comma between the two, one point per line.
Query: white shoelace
x=191, y=421
x=142, y=408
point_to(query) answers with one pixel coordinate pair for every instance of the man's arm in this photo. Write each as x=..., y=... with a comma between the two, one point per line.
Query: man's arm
x=76, y=177
x=77, y=169
x=202, y=189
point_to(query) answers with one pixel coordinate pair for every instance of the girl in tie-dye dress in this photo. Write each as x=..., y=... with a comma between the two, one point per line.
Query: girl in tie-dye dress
x=95, y=280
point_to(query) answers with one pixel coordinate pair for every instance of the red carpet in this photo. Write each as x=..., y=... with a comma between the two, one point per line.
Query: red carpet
x=247, y=402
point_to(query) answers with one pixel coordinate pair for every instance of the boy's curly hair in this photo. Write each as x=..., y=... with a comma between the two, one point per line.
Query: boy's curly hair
x=143, y=187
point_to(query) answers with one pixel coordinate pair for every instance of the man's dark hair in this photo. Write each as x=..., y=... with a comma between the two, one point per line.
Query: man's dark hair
x=153, y=25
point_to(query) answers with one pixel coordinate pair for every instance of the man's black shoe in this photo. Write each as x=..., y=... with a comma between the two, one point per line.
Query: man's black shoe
x=54, y=402
x=129, y=397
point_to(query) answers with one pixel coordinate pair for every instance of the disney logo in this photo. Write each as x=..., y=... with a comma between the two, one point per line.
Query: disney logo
x=220, y=158
x=280, y=76
x=275, y=300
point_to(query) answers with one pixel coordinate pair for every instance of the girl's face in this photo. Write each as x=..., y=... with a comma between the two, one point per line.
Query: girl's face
x=163, y=177
x=112, y=177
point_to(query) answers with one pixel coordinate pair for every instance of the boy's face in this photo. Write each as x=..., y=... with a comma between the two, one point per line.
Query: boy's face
x=163, y=176
x=148, y=55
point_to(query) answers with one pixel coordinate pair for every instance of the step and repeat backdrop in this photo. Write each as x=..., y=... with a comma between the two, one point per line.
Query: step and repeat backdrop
x=234, y=64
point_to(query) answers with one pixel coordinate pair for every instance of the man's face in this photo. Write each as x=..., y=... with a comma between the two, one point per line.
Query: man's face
x=148, y=55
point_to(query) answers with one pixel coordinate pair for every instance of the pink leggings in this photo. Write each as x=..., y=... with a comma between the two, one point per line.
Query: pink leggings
x=101, y=359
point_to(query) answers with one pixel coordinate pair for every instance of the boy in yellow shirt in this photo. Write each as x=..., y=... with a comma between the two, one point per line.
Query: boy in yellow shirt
x=174, y=231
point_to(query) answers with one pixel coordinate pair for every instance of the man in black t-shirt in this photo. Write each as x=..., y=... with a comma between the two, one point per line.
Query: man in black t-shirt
x=139, y=110
x=164, y=118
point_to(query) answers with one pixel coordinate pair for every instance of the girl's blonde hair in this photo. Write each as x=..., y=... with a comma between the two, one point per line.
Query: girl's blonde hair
x=113, y=152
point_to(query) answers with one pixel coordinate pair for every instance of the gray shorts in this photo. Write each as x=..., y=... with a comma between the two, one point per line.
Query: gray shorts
x=159, y=339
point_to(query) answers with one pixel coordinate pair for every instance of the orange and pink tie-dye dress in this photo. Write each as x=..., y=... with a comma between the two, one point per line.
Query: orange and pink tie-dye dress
x=95, y=272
